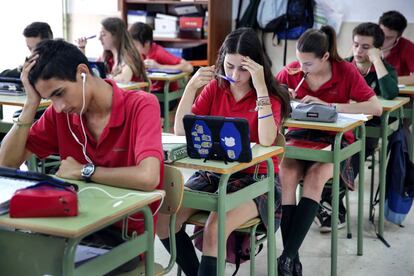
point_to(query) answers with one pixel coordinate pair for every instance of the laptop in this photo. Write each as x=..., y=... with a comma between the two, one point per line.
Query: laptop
x=11, y=86
x=98, y=68
x=217, y=138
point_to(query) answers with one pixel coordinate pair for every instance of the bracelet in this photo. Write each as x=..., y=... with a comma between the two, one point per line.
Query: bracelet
x=261, y=102
x=17, y=122
x=265, y=116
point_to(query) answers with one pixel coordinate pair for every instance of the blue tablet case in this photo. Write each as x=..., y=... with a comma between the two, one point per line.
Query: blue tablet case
x=165, y=71
x=218, y=138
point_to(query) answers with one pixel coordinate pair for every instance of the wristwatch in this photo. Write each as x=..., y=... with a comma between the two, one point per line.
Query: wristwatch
x=87, y=171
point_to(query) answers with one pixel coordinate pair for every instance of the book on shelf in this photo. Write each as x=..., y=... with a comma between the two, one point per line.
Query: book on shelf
x=309, y=144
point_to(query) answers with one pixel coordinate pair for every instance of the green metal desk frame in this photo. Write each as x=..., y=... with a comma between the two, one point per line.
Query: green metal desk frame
x=409, y=113
x=223, y=202
x=335, y=157
x=383, y=132
x=48, y=245
x=168, y=95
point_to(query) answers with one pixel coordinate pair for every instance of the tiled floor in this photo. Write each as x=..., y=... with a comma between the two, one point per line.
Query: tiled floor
x=315, y=252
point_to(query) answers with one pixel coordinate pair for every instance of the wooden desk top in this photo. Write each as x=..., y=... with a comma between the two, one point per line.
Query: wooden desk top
x=407, y=90
x=341, y=125
x=132, y=85
x=259, y=153
x=19, y=101
x=391, y=105
x=96, y=210
x=167, y=77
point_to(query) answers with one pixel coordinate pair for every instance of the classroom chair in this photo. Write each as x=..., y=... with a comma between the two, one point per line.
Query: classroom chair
x=258, y=234
x=174, y=189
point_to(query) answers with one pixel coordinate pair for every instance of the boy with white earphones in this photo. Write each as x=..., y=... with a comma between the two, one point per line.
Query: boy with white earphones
x=102, y=133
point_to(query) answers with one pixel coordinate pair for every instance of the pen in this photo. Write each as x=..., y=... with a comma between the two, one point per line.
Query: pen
x=226, y=78
x=90, y=37
x=301, y=81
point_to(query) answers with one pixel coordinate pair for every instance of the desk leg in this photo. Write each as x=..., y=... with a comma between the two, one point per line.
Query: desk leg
x=221, y=210
x=361, y=186
x=166, y=106
x=335, y=203
x=382, y=170
x=411, y=143
x=271, y=242
x=149, y=228
x=69, y=257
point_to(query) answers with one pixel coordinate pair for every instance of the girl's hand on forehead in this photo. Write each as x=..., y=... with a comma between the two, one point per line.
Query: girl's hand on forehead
x=256, y=72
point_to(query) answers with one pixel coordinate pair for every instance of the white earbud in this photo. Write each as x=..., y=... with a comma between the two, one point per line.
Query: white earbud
x=83, y=77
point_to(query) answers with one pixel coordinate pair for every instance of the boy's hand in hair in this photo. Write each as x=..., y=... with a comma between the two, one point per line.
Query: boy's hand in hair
x=33, y=98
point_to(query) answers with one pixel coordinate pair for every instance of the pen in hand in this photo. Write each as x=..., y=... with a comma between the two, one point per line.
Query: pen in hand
x=90, y=37
x=226, y=78
x=293, y=94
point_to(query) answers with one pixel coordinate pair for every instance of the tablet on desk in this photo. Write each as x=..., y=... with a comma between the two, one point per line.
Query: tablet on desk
x=218, y=138
x=11, y=86
x=163, y=71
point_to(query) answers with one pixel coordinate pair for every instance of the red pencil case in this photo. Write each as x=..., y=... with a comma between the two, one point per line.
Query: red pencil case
x=44, y=200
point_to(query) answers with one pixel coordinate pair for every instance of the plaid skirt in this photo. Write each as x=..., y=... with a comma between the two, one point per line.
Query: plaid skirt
x=208, y=182
x=346, y=171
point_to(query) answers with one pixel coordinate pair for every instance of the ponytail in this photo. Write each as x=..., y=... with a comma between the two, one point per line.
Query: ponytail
x=319, y=42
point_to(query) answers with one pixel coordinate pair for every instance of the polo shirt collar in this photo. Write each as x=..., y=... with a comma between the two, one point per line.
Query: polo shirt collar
x=118, y=108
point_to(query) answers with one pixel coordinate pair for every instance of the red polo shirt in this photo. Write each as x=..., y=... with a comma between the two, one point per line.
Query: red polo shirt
x=346, y=84
x=132, y=134
x=219, y=101
x=162, y=56
x=401, y=57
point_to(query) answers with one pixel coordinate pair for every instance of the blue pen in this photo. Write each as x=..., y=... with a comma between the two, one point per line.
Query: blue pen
x=90, y=37
x=226, y=78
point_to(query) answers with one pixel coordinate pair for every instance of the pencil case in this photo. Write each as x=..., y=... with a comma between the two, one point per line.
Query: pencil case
x=44, y=200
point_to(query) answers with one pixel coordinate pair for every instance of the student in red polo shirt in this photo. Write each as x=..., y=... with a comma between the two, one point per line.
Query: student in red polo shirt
x=397, y=50
x=330, y=81
x=123, y=61
x=102, y=133
x=255, y=96
x=155, y=56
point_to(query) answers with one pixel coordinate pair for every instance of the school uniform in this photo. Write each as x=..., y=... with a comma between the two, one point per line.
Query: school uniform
x=401, y=57
x=135, y=78
x=163, y=57
x=386, y=87
x=217, y=100
x=129, y=137
x=346, y=84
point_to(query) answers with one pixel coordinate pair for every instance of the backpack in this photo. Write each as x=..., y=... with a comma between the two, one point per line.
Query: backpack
x=399, y=194
x=237, y=247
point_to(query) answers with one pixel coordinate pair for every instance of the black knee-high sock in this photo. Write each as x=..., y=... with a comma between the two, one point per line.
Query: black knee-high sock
x=208, y=266
x=288, y=212
x=186, y=255
x=305, y=213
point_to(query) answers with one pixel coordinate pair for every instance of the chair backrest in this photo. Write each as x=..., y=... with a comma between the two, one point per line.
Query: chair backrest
x=281, y=142
x=174, y=189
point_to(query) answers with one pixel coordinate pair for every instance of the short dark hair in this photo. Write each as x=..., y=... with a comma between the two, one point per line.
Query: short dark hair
x=370, y=29
x=141, y=32
x=393, y=20
x=38, y=29
x=57, y=59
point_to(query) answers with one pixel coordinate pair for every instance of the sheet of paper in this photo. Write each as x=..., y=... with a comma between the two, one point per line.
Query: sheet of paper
x=86, y=252
x=357, y=117
x=173, y=139
x=401, y=86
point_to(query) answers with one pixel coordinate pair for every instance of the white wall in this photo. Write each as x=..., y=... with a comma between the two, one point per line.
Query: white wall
x=14, y=17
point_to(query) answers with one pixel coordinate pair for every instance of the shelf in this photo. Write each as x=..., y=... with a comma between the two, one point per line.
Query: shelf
x=198, y=62
x=203, y=2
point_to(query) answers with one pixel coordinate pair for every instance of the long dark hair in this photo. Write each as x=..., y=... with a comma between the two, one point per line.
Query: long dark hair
x=244, y=41
x=124, y=45
x=319, y=42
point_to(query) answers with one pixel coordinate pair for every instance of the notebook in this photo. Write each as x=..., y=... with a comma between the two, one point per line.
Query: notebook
x=218, y=138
